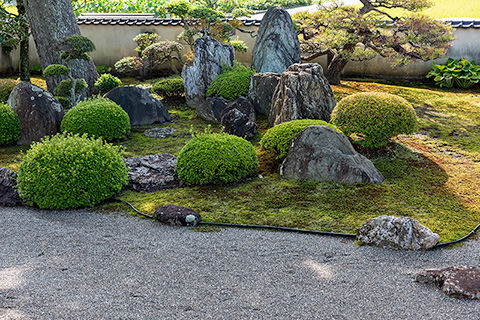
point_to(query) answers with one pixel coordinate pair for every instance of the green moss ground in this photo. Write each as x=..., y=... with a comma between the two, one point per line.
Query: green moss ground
x=432, y=176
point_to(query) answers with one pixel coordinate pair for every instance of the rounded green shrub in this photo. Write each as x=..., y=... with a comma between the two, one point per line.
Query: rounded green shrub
x=6, y=87
x=169, y=89
x=107, y=82
x=232, y=83
x=70, y=171
x=55, y=70
x=98, y=117
x=280, y=137
x=9, y=125
x=64, y=87
x=372, y=118
x=216, y=158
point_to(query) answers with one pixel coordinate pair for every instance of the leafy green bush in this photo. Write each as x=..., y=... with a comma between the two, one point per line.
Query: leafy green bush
x=374, y=117
x=64, y=87
x=9, y=125
x=232, y=83
x=70, y=171
x=216, y=158
x=99, y=117
x=280, y=137
x=103, y=69
x=460, y=72
x=169, y=89
x=6, y=87
x=107, y=82
x=36, y=70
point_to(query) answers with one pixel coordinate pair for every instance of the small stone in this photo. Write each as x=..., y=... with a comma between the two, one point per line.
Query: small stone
x=159, y=133
x=8, y=192
x=177, y=215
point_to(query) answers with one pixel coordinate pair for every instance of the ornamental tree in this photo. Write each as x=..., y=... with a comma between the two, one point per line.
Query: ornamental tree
x=345, y=33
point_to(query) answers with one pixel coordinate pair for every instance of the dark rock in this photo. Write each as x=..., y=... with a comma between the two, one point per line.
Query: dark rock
x=159, y=133
x=302, y=93
x=8, y=193
x=242, y=104
x=142, y=108
x=261, y=90
x=322, y=153
x=211, y=109
x=397, y=233
x=237, y=123
x=458, y=282
x=277, y=45
x=39, y=112
x=177, y=215
x=152, y=173
x=209, y=56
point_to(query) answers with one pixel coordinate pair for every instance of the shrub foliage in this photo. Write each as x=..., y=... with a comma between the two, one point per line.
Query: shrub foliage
x=169, y=89
x=232, y=83
x=216, y=158
x=70, y=171
x=107, y=82
x=6, y=87
x=9, y=125
x=374, y=117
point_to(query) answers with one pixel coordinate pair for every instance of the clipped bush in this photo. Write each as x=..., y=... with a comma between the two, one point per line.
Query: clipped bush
x=280, y=137
x=9, y=125
x=70, y=171
x=6, y=87
x=107, y=82
x=216, y=158
x=372, y=118
x=98, y=117
x=169, y=89
x=232, y=83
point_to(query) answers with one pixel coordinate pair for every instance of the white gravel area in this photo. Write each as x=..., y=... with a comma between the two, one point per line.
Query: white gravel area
x=91, y=265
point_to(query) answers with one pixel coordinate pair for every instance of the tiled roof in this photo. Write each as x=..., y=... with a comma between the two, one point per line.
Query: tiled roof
x=138, y=19
x=463, y=22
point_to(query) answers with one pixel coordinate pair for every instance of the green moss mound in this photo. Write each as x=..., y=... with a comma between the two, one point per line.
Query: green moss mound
x=372, y=118
x=6, y=87
x=107, y=82
x=99, y=117
x=169, y=89
x=232, y=83
x=216, y=158
x=9, y=125
x=70, y=171
x=280, y=137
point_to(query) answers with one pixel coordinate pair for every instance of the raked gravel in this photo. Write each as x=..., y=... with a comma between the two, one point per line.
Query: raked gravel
x=91, y=265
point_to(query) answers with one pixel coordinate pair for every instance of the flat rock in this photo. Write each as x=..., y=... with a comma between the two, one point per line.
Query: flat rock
x=8, y=193
x=152, y=173
x=39, y=112
x=177, y=215
x=458, y=282
x=277, y=45
x=159, y=133
x=302, y=93
x=142, y=108
x=397, y=233
x=324, y=154
x=261, y=90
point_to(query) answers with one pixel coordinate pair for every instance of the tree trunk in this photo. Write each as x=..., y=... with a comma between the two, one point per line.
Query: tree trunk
x=51, y=21
x=24, y=47
x=335, y=68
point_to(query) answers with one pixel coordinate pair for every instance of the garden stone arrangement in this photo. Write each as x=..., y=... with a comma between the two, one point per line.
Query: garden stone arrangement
x=261, y=90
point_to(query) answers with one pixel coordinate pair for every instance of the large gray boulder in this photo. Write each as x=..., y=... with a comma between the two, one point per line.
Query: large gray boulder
x=209, y=57
x=277, y=45
x=323, y=154
x=211, y=109
x=153, y=172
x=142, y=108
x=397, y=233
x=302, y=93
x=39, y=112
x=458, y=282
x=261, y=90
x=8, y=192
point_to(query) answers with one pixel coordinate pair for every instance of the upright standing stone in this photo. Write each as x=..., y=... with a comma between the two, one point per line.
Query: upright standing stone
x=261, y=90
x=302, y=93
x=277, y=46
x=209, y=57
x=39, y=112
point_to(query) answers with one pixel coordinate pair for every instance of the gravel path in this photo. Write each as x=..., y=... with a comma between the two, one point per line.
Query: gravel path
x=90, y=265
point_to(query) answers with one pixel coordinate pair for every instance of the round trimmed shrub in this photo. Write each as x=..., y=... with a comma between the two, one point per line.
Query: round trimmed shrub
x=280, y=137
x=232, y=83
x=216, y=158
x=6, y=87
x=9, y=125
x=98, y=117
x=169, y=89
x=372, y=118
x=107, y=82
x=70, y=171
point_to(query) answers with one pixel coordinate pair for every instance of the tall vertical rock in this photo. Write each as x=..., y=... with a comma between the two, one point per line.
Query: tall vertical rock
x=277, y=46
